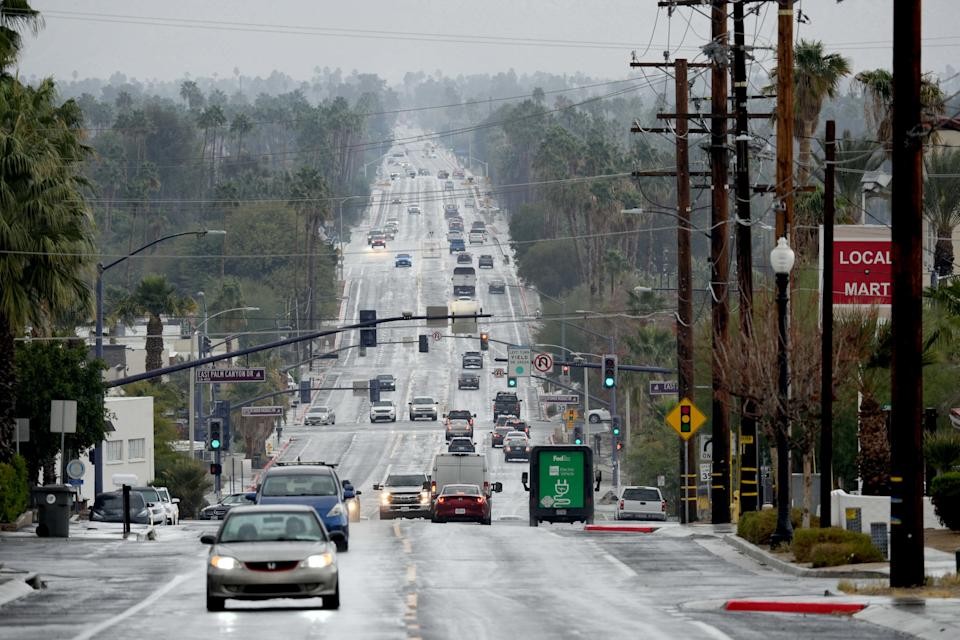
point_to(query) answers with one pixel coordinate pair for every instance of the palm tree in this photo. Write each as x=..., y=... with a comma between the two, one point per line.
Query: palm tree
x=15, y=15
x=241, y=125
x=878, y=89
x=941, y=204
x=155, y=297
x=816, y=76
x=46, y=231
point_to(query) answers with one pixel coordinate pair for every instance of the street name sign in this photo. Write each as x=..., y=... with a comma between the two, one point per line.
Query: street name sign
x=261, y=411
x=561, y=398
x=685, y=418
x=664, y=388
x=250, y=374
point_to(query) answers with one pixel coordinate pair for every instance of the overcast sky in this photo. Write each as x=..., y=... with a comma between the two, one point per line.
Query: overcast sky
x=167, y=39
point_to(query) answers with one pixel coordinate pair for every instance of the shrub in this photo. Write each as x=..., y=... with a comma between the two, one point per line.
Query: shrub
x=758, y=526
x=941, y=450
x=805, y=540
x=945, y=490
x=832, y=554
x=14, y=489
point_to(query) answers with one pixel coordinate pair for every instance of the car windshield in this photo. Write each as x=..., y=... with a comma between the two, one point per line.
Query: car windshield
x=319, y=410
x=422, y=400
x=405, y=480
x=386, y=404
x=236, y=498
x=271, y=527
x=299, y=485
x=150, y=495
x=519, y=442
x=114, y=501
x=640, y=493
x=461, y=489
x=385, y=376
x=459, y=415
x=504, y=430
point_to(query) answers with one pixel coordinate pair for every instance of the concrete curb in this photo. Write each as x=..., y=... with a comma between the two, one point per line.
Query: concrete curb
x=15, y=584
x=767, y=558
x=614, y=528
x=823, y=606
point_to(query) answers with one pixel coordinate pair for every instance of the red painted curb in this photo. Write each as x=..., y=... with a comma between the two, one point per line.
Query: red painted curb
x=781, y=606
x=615, y=528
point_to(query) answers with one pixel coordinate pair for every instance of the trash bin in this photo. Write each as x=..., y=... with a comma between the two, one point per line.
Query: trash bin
x=54, y=503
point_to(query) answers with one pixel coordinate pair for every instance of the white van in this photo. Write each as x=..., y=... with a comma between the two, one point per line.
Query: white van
x=461, y=468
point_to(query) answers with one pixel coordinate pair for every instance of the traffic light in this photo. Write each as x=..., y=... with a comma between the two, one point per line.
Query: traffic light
x=619, y=445
x=215, y=469
x=512, y=382
x=578, y=434
x=368, y=337
x=609, y=371
x=216, y=436
x=685, y=418
x=305, y=391
x=484, y=342
x=615, y=426
x=424, y=344
x=204, y=346
x=374, y=390
x=565, y=369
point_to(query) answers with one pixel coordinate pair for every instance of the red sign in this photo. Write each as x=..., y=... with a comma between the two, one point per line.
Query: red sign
x=862, y=272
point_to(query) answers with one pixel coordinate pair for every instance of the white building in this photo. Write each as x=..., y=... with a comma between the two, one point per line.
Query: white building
x=128, y=449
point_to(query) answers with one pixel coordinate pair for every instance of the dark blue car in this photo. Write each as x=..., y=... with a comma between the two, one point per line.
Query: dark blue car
x=403, y=260
x=457, y=244
x=316, y=485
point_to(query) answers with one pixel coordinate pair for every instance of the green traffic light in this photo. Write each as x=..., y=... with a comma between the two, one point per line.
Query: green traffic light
x=608, y=382
x=214, y=444
x=578, y=441
x=616, y=431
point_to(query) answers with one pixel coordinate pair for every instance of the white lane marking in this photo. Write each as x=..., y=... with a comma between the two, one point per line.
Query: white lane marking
x=624, y=569
x=146, y=602
x=711, y=631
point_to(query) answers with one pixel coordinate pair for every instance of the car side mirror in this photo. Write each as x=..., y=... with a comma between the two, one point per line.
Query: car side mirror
x=358, y=493
x=251, y=496
x=474, y=415
x=175, y=500
x=208, y=538
x=524, y=477
x=497, y=487
x=376, y=487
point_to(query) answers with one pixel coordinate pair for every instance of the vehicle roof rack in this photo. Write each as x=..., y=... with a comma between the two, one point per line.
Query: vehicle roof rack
x=298, y=463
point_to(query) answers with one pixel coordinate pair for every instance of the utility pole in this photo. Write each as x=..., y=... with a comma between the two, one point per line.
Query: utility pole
x=906, y=479
x=826, y=329
x=784, y=186
x=719, y=266
x=749, y=477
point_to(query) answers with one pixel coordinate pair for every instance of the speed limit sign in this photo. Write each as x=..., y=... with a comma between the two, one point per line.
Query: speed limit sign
x=543, y=362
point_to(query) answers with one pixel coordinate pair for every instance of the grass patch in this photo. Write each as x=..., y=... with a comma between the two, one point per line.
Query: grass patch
x=947, y=586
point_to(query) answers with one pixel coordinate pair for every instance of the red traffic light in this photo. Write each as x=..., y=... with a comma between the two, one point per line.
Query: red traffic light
x=216, y=469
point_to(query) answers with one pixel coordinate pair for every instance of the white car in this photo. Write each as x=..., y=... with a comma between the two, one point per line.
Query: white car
x=640, y=503
x=170, y=505
x=320, y=415
x=598, y=415
x=383, y=410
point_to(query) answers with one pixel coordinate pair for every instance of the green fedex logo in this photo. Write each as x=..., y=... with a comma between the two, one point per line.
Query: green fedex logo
x=561, y=479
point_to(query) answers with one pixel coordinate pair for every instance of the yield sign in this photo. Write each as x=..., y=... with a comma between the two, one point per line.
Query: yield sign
x=685, y=418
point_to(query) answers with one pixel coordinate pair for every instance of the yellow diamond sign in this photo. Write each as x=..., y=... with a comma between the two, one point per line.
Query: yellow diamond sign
x=685, y=418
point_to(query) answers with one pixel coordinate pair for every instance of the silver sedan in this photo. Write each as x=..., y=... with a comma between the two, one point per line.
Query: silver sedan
x=263, y=552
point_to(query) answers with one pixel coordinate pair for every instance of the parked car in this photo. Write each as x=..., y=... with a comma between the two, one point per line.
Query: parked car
x=461, y=445
x=640, y=503
x=108, y=507
x=598, y=415
x=403, y=260
x=516, y=446
x=154, y=502
x=468, y=381
x=497, y=286
x=383, y=410
x=170, y=504
x=319, y=414
x=486, y=260
x=218, y=510
x=276, y=551
x=461, y=502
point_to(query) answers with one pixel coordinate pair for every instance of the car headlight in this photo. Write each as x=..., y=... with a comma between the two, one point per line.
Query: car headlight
x=224, y=562
x=143, y=513
x=424, y=497
x=318, y=561
x=386, y=498
x=336, y=511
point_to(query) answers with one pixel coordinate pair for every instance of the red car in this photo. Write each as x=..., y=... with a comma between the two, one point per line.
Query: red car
x=463, y=502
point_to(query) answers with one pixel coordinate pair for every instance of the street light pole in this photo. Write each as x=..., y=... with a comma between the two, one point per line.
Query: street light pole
x=98, y=338
x=781, y=259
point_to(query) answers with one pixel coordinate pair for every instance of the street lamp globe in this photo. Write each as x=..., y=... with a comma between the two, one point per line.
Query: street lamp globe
x=782, y=257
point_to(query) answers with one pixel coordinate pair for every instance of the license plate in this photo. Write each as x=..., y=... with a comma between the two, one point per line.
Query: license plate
x=459, y=512
x=561, y=512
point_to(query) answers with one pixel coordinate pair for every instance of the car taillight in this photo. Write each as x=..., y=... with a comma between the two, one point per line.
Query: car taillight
x=440, y=499
x=663, y=506
x=621, y=505
x=481, y=500
x=506, y=448
x=433, y=488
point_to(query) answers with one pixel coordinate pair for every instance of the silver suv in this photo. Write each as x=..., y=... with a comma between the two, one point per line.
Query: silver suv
x=383, y=410
x=423, y=407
